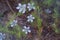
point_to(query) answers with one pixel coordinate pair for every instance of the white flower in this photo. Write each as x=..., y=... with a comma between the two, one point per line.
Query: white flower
x=21, y=8
x=13, y=23
x=2, y=36
x=30, y=6
x=26, y=30
x=48, y=11
x=30, y=18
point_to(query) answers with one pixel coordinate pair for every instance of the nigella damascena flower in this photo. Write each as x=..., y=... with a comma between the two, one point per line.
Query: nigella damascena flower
x=21, y=8
x=14, y=23
x=2, y=36
x=30, y=18
x=30, y=6
x=26, y=29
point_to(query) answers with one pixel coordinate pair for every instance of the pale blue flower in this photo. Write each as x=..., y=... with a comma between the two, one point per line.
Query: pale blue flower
x=30, y=6
x=30, y=18
x=14, y=23
x=2, y=36
x=21, y=8
x=48, y=11
x=26, y=30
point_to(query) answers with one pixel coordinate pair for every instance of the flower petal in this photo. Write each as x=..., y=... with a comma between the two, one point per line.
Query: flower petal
x=28, y=20
x=24, y=5
x=33, y=7
x=33, y=17
x=20, y=10
x=24, y=27
x=23, y=30
x=28, y=27
x=12, y=25
x=23, y=11
x=29, y=31
x=0, y=33
x=26, y=32
x=30, y=15
x=29, y=9
x=27, y=16
x=19, y=4
x=31, y=20
x=17, y=7
x=29, y=4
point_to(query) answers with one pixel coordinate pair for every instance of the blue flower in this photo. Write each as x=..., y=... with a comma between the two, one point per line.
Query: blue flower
x=30, y=6
x=26, y=30
x=30, y=18
x=14, y=23
x=2, y=36
x=21, y=8
x=48, y=11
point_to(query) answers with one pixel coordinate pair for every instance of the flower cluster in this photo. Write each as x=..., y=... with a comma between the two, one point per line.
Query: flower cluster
x=22, y=8
x=2, y=36
x=27, y=29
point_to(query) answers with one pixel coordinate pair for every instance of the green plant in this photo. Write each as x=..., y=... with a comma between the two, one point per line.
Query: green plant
x=48, y=2
x=38, y=20
x=55, y=28
x=56, y=15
